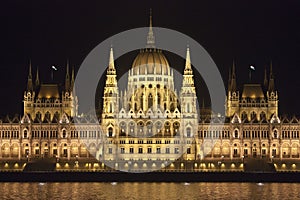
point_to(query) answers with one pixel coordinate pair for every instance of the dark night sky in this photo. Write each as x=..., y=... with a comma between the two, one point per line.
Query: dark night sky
x=50, y=32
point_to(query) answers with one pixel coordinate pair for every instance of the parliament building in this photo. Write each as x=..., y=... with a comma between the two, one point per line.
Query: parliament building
x=150, y=123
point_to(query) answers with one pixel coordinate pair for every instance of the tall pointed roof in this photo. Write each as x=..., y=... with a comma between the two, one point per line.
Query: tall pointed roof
x=265, y=79
x=233, y=78
x=37, y=79
x=150, y=37
x=67, y=80
x=29, y=82
x=188, y=67
x=271, y=87
x=72, y=79
x=111, y=66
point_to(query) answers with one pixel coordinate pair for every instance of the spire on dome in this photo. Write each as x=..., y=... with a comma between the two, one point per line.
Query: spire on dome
x=150, y=37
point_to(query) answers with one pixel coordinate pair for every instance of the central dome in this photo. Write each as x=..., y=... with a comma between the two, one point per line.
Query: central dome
x=150, y=61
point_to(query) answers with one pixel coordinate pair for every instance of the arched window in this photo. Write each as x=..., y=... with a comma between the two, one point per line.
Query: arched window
x=158, y=99
x=253, y=115
x=110, y=132
x=64, y=134
x=262, y=115
x=167, y=128
x=25, y=134
x=275, y=134
x=38, y=115
x=56, y=115
x=244, y=115
x=48, y=115
x=110, y=107
x=135, y=107
x=188, y=132
x=142, y=101
x=188, y=107
x=150, y=101
x=236, y=133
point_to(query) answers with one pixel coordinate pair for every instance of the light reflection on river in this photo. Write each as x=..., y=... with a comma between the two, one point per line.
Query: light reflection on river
x=153, y=191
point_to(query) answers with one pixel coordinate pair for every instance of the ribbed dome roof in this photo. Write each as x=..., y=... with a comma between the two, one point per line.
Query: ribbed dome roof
x=150, y=61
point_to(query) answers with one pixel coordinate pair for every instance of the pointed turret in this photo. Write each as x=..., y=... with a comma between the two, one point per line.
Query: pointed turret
x=188, y=67
x=111, y=67
x=37, y=79
x=265, y=80
x=271, y=87
x=67, y=80
x=188, y=97
x=150, y=37
x=111, y=97
x=233, y=78
x=72, y=79
x=29, y=82
x=229, y=80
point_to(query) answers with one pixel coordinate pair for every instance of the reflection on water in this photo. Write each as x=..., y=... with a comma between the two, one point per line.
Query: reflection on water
x=168, y=191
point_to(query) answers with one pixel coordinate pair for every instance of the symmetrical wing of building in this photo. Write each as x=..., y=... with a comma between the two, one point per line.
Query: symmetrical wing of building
x=150, y=120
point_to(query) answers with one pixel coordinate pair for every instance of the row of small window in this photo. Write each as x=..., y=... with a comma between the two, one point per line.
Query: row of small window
x=214, y=134
x=150, y=79
x=290, y=134
x=10, y=134
x=151, y=142
x=255, y=134
x=149, y=150
x=226, y=134
x=54, y=134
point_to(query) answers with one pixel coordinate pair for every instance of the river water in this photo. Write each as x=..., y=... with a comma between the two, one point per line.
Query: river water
x=87, y=191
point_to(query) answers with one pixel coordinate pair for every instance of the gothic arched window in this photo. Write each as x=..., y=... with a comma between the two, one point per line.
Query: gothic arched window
x=262, y=115
x=253, y=115
x=188, y=132
x=158, y=99
x=150, y=101
x=244, y=115
x=110, y=132
x=142, y=101
x=48, y=115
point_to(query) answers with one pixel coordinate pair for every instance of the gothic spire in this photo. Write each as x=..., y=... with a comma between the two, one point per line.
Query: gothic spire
x=67, y=80
x=188, y=66
x=29, y=82
x=229, y=79
x=233, y=78
x=271, y=80
x=265, y=79
x=188, y=80
x=150, y=37
x=111, y=65
x=72, y=78
x=37, y=79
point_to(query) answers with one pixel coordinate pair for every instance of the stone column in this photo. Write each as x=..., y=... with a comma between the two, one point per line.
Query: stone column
x=1, y=150
x=280, y=152
x=69, y=152
x=20, y=151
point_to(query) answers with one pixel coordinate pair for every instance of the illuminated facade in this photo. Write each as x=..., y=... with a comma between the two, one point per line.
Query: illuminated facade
x=150, y=120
